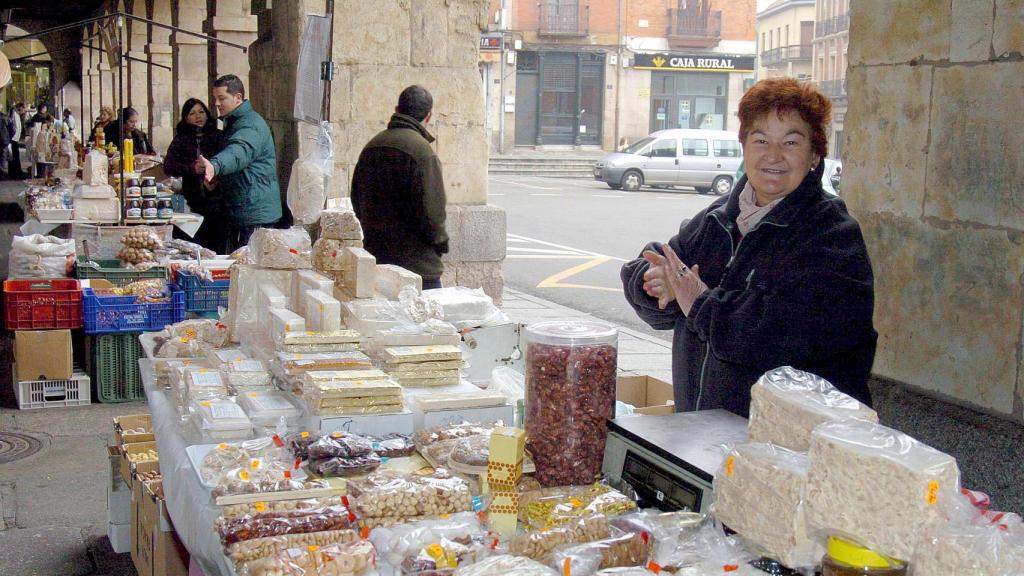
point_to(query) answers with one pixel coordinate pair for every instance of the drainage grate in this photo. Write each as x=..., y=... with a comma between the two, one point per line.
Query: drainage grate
x=14, y=446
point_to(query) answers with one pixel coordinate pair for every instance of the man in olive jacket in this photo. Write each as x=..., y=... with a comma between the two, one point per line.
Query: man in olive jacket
x=398, y=192
x=247, y=167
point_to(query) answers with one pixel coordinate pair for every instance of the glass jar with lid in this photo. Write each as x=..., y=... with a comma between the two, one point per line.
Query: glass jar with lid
x=846, y=558
x=570, y=395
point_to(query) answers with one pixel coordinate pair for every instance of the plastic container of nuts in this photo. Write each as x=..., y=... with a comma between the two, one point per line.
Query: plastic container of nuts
x=570, y=395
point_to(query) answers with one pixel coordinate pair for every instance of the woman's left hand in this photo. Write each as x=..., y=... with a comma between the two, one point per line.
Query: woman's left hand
x=684, y=281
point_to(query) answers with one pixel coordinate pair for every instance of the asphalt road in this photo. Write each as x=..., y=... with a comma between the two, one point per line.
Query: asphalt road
x=568, y=238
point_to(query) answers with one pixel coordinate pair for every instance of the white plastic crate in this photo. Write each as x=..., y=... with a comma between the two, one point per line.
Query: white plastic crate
x=53, y=393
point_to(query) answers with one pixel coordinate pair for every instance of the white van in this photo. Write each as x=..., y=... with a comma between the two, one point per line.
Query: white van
x=704, y=159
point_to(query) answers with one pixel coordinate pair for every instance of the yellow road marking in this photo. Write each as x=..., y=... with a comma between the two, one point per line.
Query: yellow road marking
x=548, y=256
x=555, y=280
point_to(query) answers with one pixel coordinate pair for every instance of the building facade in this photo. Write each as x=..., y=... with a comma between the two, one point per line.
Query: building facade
x=785, y=36
x=831, y=40
x=596, y=74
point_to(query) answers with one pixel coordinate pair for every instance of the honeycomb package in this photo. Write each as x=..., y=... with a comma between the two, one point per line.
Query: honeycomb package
x=786, y=404
x=759, y=494
x=876, y=485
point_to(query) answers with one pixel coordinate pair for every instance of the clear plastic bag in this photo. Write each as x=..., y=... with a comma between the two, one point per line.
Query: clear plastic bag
x=555, y=506
x=247, y=551
x=585, y=559
x=39, y=256
x=466, y=307
x=307, y=185
x=189, y=339
x=268, y=524
x=786, y=404
x=336, y=559
x=346, y=466
x=472, y=451
x=424, y=438
x=219, y=418
x=399, y=542
x=876, y=485
x=702, y=550
x=394, y=445
x=228, y=456
x=540, y=544
x=759, y=493
x=504, y=565
x=386, y=493
x=509, y=382
x=283, y=249
x=340, y=224
x=267, y=407
x=232, y=511
x=339, y=445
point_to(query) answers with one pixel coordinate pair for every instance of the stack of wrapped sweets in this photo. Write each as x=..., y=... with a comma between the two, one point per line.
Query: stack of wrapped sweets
x=876, y=485
x=352, y=392
x=242, y=376
x=322, y=312
x=786, y=404
x=329, y=341
x=387, y=497
x=220, y=418
x=423, y=365
x=759, y=494
x=266, y=408
x=296, y=363
x=973, y=540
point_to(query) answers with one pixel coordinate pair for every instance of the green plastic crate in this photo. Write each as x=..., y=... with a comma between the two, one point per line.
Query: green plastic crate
x=112, y=271
x=113, y=364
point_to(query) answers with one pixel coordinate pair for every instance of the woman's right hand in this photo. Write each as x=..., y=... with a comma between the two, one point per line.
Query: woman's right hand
x=656, y=283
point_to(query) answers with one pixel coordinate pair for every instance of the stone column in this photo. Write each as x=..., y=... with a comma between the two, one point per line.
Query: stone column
x=137, y=68
x=160, y=99
x=232, y=21
x=188, y=53
x=380, y=48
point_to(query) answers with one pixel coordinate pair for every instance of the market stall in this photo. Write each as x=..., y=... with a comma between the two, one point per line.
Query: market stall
x=338, y=420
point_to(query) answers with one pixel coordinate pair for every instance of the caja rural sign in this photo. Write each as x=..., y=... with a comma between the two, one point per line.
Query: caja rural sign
x=694, y=62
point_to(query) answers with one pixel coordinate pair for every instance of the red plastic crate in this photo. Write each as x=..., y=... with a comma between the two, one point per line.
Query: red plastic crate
x=38, y=304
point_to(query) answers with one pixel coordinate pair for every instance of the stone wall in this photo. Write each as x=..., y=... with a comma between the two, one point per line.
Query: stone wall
x=933, y=171
x=379, y=48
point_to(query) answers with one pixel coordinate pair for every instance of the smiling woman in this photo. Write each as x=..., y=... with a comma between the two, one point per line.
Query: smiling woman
x=774, y=274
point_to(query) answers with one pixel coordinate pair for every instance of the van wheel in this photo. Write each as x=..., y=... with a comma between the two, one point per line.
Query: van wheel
x=632, y=180
x=722, y=185
x=615, y=185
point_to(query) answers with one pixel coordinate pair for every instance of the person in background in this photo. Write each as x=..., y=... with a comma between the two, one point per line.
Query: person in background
x=46, y=146
x=6, y=137
x=197, y=135
x=246, y=168
x=106, y=117
x=398, y=191
x=128, y=127
x=16, y=171
x=42, y=113
x=774, y=274
x=69, y=120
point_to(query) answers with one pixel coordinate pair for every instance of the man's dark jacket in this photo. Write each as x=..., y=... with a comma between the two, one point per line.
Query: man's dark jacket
x=398, y=196
x=247, y=169
x=796, y=290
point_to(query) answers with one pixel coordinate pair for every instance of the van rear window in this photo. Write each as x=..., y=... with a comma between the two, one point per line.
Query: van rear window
x=727, y=148
x=695, y=147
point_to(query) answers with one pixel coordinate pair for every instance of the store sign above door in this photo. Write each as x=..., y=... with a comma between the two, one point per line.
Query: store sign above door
x=490, y=42
x=694, y=63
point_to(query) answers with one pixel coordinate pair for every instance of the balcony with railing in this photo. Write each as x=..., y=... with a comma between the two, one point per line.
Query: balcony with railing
x=565, y=19
x=784, y=54
x=694, y=28
x=834, y=89
x=832, y=25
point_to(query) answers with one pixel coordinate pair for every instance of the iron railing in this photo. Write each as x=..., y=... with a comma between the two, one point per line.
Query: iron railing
x=694, y=27
x=834, y=89
x=564, y=19
x=795, y=53
x=832, y=25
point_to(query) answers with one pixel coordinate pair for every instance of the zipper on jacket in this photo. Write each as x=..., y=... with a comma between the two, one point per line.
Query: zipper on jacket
x=734, y=248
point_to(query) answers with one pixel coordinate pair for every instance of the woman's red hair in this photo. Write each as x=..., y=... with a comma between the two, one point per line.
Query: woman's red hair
x=783, y=95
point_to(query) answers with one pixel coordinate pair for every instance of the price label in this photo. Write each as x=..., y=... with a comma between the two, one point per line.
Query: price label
x=260, y=507
x=932, y=497
x=255, y=464
x=244, y=475
x=729, y=463
x=304, y=434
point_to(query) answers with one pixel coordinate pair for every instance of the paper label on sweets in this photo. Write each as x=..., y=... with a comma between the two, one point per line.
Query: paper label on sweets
x=207, y=379
x=932, y=497
x=244, y=475
x=247, y=366
x=729, y=463
x=222, y=446
x=304, y=434
x=226, y=410
x=229, y=355
x=270, y=402
x=260, y=507
x=255, y=464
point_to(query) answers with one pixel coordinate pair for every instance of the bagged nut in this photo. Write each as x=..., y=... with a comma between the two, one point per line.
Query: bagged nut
x=539, y=545
x=263, y=525
x=233, y=511
x=549, y=507
x=505, y=565
x=622, y=550
x=347, y=559
x=570, y=395
x=249, y=550
x=388, y=493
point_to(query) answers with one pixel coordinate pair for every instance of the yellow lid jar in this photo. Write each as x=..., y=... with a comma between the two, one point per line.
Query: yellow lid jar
x=845, y=558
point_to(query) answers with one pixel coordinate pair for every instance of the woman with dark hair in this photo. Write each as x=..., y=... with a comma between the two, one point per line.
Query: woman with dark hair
x=774, y=274
x=127, y=126
x=197, y=135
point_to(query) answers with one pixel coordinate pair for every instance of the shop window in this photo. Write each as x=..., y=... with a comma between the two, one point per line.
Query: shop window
x=526, y=61
x=695, y=147
x=664, y=149
x=727, y=148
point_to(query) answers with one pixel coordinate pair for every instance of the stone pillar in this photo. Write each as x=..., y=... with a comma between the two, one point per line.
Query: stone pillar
x=380, y=48
x=160, y=98
x=188, y=53
x=232, y=21
x=932, y=171
x=137, y=68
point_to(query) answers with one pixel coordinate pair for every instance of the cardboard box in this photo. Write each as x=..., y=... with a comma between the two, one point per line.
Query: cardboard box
x=503, y=515
x=649, y=395
x=123, y=423
x=127, y=470
x=160, y=551
x=43, y=354
x=120, y=537
x=134, y=527
x=505, y=464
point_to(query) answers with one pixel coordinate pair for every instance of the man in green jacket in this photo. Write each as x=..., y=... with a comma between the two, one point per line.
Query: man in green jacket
x=398, y=192
x=246, y=170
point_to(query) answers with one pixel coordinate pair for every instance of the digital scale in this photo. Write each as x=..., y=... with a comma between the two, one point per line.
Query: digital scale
x=670, y=460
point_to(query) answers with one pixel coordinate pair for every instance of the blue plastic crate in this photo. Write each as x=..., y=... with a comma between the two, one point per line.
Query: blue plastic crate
x=203, y=295
x=116, y=314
